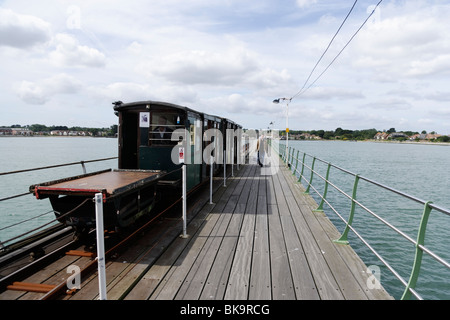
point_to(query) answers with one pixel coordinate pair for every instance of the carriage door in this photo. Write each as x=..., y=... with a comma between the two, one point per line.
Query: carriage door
x=128, y=140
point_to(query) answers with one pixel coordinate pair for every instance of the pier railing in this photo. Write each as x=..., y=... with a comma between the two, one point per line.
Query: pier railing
x=316, y=175
x=10, y=197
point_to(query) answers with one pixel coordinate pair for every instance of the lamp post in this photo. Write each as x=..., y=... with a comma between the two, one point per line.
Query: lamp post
x=287, y=123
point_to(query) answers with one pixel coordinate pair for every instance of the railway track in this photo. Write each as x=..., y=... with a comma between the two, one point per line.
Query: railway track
x=46, y=278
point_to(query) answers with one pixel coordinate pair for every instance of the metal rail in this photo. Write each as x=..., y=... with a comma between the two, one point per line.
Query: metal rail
x=82, y=163
x=56, y=166
x=296, y=161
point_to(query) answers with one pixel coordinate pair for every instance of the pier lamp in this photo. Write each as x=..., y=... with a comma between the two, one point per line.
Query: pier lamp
x=276, y=101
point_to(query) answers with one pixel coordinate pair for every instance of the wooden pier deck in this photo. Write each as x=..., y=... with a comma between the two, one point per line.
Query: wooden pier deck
x=259, y=240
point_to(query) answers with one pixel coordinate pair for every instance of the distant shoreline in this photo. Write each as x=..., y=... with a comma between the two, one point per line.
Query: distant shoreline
x=445, y=144
x=413, y=142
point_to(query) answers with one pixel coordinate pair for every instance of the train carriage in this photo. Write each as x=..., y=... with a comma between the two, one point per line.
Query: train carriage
x=149, y=136
x=145, y=139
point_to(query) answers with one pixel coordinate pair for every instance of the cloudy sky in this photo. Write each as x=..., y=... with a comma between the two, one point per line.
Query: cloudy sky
x=65, y=62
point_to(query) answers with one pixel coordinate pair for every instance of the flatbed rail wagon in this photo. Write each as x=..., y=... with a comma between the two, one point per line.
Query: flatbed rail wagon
x=127, y=195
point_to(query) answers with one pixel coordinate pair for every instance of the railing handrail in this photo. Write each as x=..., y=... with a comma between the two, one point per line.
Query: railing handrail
x=293, y=162
x=56, y=166
x=401, y=193
x=49, y=167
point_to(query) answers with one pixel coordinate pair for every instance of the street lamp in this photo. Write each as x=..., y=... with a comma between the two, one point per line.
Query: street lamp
x=276, y=101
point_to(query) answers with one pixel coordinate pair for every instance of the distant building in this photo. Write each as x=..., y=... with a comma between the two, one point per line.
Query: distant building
x=308, y=136
x=5, y=131
x=433, y=136
x=15, y=132
x=381, y=136
x=418, y=136
x=397, y=135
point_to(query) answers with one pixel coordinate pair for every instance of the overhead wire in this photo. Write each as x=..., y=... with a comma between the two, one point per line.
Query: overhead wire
x=303, y=90
x=326, y=50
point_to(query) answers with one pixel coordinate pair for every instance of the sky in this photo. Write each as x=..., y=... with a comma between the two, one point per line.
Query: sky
x=65, y=62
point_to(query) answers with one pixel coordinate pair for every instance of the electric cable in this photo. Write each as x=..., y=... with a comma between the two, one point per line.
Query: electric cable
x=326, y=50
x=340, y=52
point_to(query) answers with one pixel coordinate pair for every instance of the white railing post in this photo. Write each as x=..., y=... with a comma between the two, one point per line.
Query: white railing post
x=225, y=168
x=211, y=176
x=100, y=245
x=184, y=200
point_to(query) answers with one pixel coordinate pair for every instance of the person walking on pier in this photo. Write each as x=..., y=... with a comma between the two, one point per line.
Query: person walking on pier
x=262, y=148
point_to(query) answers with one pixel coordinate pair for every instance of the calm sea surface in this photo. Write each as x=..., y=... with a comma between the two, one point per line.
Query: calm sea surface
x=419, y=170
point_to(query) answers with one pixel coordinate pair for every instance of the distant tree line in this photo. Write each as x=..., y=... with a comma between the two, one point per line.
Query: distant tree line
x=111, y=131
x=366, y=134
x=339, y=134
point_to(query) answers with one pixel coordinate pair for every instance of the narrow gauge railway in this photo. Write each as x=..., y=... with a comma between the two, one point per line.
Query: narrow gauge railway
x=147, y=170
x=146, y=175
x=48, y=278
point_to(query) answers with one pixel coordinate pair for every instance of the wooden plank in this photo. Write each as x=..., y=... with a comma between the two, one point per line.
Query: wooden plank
x=303, y=281
x=282, y=283
x=177, y=281
x=260, y=281
x=55, y=273
x=80, y=253
x=109, y=181
x=195, y=280
x=169, y=286
x=323, y=277
x=341, y=273
x=153, y=281
x=350, y=271
x=239, y=277
x=216, y=283
x=153, y=277
x=30, y=287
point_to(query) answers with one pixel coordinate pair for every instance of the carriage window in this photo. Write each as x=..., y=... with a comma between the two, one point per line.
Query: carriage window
x=162, y=126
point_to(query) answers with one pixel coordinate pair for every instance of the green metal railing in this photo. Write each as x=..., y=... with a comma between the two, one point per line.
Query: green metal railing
x=297, y=162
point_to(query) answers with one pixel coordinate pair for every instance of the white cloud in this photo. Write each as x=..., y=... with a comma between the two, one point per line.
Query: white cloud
x=408, y=41
x=324, y=93
x=436, y=65
x=305, y=3
x=205, y=67
x=68, y=52
x=22, y=31
x=134, y=91
x=40, y=92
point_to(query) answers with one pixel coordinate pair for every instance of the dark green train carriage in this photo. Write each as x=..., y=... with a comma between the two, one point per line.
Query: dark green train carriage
x=145, y=139
x=148, y=166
